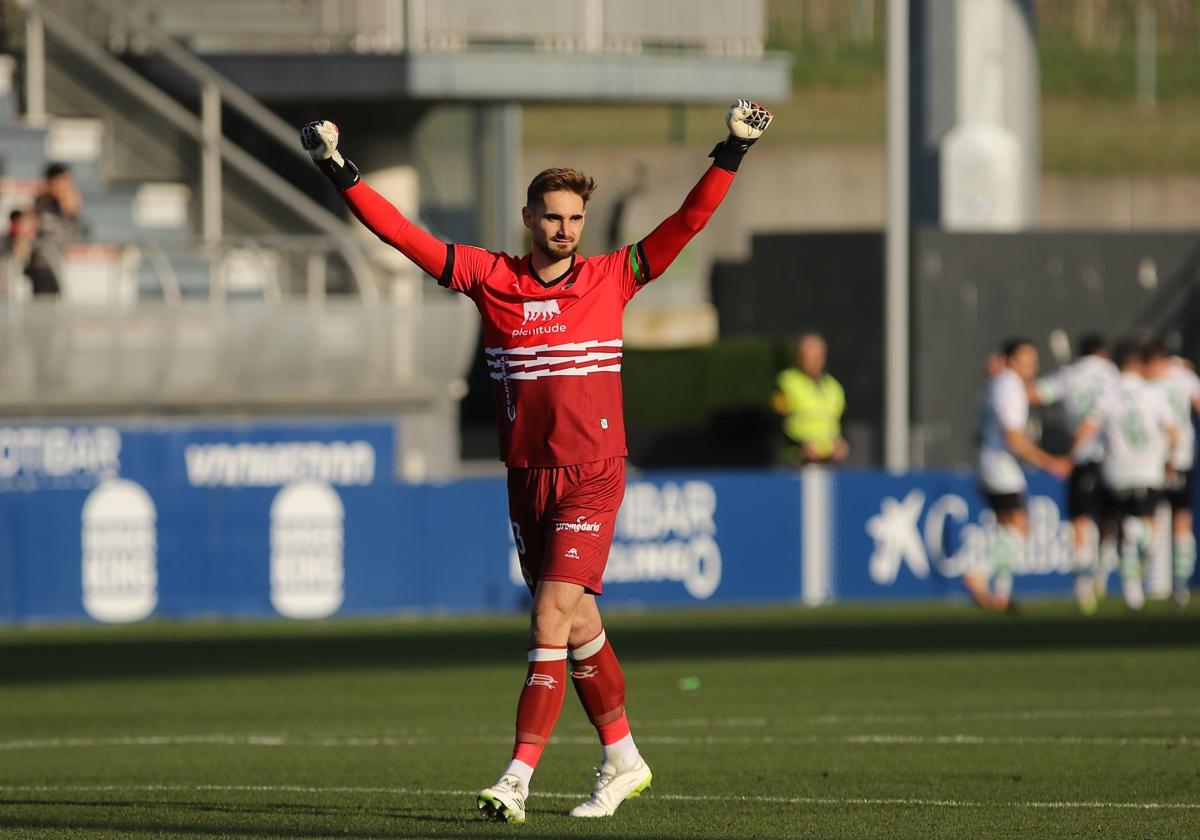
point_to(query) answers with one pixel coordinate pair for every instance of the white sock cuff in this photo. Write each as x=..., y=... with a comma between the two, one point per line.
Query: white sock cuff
x=547, y=654
x=622, y=753
x=521, y=770
x=590, y=649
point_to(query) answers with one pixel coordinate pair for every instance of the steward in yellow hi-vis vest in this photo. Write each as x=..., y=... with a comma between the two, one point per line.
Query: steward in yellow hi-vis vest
x=812, y=402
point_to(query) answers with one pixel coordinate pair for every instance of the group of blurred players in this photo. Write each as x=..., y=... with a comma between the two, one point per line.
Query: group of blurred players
x=1132, y=451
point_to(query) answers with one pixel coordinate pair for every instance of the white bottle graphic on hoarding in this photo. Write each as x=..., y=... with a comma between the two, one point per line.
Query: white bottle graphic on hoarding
x=307, y=538
x=120, y=552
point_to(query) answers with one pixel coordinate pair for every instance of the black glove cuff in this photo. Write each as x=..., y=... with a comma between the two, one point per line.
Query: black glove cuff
x=343, y=177
x=729, y=152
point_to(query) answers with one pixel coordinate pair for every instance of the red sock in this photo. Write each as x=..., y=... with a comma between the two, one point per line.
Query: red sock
x=600, y=684
x=541, y=701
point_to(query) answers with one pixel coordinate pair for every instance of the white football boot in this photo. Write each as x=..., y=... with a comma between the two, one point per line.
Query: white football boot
x=504, y=801
x=613, y=787
x=1135, y=597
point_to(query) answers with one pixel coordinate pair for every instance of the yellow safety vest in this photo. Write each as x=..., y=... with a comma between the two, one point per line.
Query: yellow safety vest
x=814, y=408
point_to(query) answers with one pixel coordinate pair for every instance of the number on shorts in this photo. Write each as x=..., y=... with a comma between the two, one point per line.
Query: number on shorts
x=517, y=538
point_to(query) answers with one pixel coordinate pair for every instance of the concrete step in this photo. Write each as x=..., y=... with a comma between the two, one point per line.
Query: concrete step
x=79, y=143
x=138, y=211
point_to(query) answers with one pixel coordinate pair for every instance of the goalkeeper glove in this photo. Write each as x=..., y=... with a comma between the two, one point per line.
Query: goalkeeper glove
x=320, y=140
x=746, y=120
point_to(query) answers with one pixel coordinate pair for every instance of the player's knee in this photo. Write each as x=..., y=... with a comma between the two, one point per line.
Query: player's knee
x=584, y=631
x=550, y=623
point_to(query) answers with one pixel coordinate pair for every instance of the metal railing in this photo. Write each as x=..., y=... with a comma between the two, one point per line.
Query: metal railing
x=271, y=267
x=215, y=91
x=333, y=354
x=735, y=27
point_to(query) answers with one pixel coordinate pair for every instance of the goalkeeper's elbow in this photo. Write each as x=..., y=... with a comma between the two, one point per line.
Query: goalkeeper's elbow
x=694, y=220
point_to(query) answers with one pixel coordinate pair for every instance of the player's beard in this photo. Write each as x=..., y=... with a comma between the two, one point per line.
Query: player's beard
x=556, y=250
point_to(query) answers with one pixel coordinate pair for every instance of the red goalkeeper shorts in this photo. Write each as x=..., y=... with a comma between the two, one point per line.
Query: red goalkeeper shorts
x=563, y=520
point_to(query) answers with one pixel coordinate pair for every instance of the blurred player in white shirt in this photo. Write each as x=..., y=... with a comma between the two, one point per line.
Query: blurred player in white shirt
x=1138, y=433
x=1004, y=445
x=1181, y=387
x=1079, y=386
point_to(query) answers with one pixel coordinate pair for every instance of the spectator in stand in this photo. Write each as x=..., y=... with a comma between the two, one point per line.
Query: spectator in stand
x=18, y=245
x=811, y=402
x=58, y=208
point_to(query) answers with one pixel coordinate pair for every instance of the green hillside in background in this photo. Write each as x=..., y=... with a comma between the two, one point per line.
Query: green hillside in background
x=1092, y=122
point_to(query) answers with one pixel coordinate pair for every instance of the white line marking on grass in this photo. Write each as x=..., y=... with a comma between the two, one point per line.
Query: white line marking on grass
x=1022, y=740
x=651, y=796
x=698, y=722
x=957, y=739
x=1029, y=714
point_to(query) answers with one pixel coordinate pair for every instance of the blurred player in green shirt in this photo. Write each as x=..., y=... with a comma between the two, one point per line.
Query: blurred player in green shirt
x=811, y=402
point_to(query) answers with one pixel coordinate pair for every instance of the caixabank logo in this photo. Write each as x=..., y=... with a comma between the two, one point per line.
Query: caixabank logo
x=942, y=538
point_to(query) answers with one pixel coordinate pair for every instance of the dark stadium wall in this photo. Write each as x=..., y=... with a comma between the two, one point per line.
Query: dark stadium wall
x=831, y=283
x=969, y=293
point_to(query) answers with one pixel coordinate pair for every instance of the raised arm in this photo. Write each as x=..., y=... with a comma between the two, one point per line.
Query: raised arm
x=379, y=215
x=746, y=121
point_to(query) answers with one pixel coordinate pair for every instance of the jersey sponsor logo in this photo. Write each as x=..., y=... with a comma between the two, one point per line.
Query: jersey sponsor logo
x=575, y=358
x=543, y=680
x=573, y=553
x=579, y=526
x=541, y=310
x=546, y=329
x=585, y=672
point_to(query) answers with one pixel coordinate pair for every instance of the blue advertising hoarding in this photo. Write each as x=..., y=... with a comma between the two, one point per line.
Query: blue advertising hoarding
x=118, y=523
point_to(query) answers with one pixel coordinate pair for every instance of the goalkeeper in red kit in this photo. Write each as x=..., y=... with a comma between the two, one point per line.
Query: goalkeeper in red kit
x=552, y=338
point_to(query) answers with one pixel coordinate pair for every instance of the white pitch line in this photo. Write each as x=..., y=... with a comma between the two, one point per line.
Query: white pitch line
x=1018, y=715
x=651, y=797
x=956, y=739
x=1022, y=740
x=643, y=724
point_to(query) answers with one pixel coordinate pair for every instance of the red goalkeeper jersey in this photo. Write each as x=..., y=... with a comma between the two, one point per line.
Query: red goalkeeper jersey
x=553, y=347
x=553, y=351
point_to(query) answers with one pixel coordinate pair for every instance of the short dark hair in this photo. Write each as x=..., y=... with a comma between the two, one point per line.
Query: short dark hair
x=1012, y=346
x=1091, y=343
x=1154, y=348
x=53, y=170
x=1128, y=351
x=553, y=180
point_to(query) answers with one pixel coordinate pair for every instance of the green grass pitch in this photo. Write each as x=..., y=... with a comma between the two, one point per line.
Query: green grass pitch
x=846, y=722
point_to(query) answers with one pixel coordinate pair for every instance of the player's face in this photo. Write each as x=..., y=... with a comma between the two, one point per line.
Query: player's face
x=1157, y=367
x=810, y=356
x=556, y=224
x=1025, y=362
